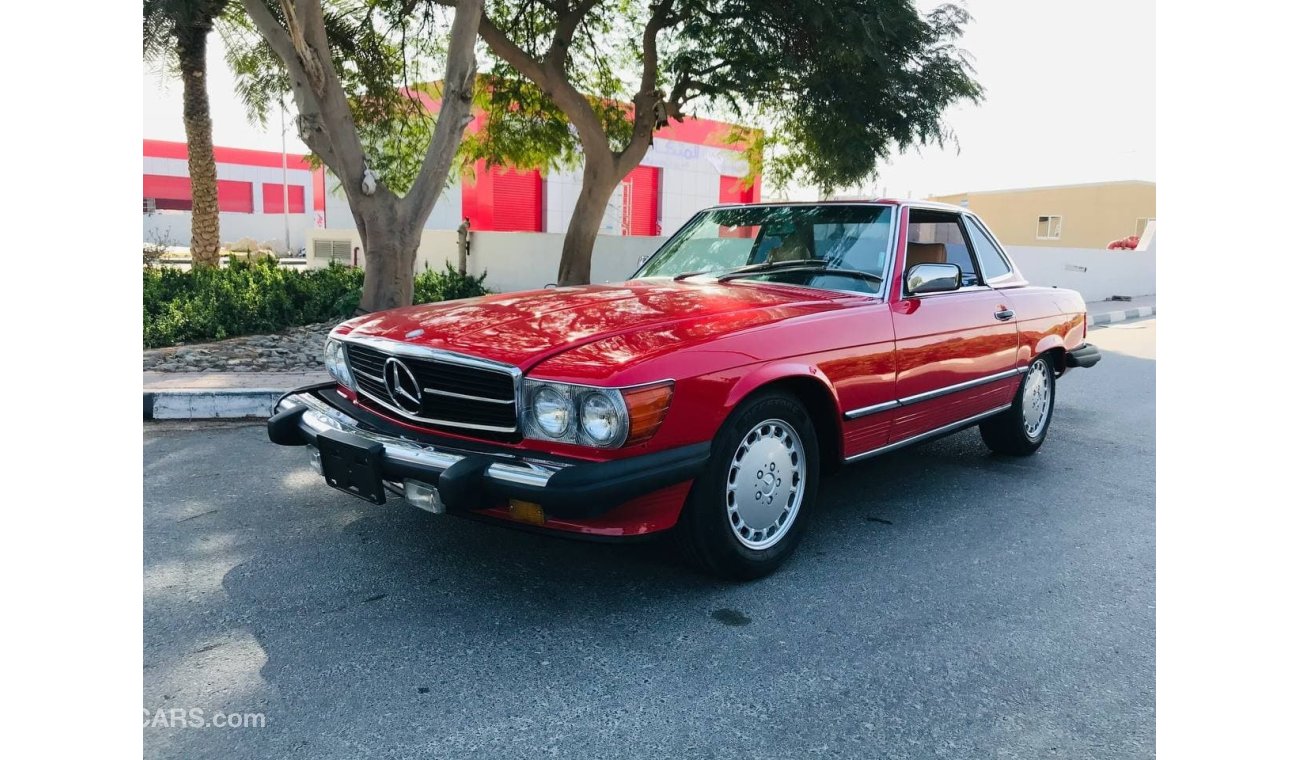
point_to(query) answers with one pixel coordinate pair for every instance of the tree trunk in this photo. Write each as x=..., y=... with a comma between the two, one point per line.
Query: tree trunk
x=390, y=227
x=599, y=181
x=389, y=245
x=205, y=230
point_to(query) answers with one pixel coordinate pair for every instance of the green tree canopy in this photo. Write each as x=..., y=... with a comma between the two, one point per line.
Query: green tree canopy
x=834, y=85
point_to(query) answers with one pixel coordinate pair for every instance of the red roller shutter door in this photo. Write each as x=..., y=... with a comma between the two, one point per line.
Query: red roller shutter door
x=235, y=196
x=273, y=198
x=731, y=191
x=516, y=200
x=644, y=199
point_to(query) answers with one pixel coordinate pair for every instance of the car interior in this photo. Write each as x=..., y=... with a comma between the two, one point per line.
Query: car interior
x=936, y=237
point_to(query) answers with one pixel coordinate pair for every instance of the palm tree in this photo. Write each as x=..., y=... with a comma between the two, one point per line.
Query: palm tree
x=176, y=33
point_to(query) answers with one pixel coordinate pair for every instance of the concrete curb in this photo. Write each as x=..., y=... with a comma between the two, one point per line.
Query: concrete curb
x=1111, y=317
x=233, y=403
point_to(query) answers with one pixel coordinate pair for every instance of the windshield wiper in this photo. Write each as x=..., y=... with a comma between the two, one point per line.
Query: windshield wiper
x=766, y=266
x=812, y=264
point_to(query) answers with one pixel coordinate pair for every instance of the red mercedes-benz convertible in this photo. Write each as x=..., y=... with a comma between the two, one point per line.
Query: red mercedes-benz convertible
x=760, y=348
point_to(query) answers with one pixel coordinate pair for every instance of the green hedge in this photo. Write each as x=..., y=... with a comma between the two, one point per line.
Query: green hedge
x=259, y=296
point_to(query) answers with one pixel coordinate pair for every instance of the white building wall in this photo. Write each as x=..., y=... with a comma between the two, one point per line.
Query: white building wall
x=446, y=214
x=528, y=260
x=1096, y=273
x=691, y=178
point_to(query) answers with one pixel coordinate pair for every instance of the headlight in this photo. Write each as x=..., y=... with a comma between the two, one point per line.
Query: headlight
x=589, y=416
x=336, y=363
x=604, y=421
x=552, y=410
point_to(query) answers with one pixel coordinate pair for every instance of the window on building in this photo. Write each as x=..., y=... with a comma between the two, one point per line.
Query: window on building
x=935, y=237
x=150, y=205
x=992, y=262
x=1049, y=228
x=234, y=196
x=273, y=198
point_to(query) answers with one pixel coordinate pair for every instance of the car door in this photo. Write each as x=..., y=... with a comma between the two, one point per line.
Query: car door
x=956, y=350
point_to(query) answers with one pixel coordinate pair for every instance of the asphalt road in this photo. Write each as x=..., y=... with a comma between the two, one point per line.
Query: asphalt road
x=945, y=603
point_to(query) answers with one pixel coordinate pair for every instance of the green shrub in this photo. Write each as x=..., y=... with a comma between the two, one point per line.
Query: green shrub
x=242, y=298
x=259, y=296
x=432, y=286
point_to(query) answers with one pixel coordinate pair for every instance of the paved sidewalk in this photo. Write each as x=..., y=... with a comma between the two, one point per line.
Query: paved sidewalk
x=234, y=395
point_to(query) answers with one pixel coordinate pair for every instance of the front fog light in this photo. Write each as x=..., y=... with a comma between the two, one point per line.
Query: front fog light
x=423, y=496
x=601, y=422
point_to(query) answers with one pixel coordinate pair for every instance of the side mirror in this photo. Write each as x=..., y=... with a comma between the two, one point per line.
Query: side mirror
x=933, y=278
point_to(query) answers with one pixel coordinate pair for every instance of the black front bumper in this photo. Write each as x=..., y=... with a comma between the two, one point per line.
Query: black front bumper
x=1085, y=355
x=469, y=478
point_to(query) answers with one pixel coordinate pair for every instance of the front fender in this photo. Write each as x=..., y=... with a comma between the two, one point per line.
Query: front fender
x=776, y=372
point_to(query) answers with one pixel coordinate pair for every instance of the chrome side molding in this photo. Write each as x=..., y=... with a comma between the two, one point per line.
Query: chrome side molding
x=936, y=393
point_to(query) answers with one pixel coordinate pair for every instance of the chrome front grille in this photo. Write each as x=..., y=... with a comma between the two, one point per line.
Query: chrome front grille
x=455, y=391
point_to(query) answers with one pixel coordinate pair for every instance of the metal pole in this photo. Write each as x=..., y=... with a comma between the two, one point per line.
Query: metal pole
x=284, y=181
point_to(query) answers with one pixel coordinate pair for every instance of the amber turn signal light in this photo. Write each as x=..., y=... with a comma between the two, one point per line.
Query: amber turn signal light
x=647, y=406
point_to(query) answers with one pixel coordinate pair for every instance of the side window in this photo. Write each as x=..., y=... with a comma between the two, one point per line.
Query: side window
x=991, y=260
x=935, y=237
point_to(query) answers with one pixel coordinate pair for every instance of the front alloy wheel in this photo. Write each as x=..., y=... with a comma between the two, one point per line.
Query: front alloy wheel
x=765, y=484
x=749, y=507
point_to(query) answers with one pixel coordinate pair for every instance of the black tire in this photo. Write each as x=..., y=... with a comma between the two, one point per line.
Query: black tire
x=1007, y=433
x=705, y=533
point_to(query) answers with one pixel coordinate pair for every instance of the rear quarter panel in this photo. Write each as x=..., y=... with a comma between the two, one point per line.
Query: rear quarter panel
x=1046, y=318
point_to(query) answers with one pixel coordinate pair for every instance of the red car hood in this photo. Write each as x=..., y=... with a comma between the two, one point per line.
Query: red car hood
x=528, y=327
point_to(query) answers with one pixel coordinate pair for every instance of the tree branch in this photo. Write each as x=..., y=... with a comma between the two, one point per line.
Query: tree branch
x=648, y=99
x=566, y=25
x=457, y=103
x=278, y=38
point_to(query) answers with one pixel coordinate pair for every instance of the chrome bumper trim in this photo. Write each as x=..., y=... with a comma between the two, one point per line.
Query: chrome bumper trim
x=320, y=417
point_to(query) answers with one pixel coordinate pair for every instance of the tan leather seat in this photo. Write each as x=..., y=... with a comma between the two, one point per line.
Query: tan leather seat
x=790, y=249
x=926, y=253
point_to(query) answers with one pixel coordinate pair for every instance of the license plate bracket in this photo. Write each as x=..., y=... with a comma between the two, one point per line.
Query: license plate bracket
x=352, y=464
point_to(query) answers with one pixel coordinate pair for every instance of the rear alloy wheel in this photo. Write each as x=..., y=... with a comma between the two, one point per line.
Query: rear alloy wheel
x=749, y=507
x=1022, y=428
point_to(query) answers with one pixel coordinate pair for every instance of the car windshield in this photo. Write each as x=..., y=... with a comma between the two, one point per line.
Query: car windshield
x=835, y=247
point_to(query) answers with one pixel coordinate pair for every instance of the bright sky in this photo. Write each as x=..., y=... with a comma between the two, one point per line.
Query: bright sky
x=1070, y=97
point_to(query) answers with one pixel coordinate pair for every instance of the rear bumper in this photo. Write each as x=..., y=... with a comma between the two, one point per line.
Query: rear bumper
x=1085, y=355
x=473, y=479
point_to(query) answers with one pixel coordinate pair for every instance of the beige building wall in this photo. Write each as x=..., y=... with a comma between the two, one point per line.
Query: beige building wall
x=1090, y=216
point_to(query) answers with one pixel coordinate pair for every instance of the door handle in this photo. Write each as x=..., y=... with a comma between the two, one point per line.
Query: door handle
x=1005, y=314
